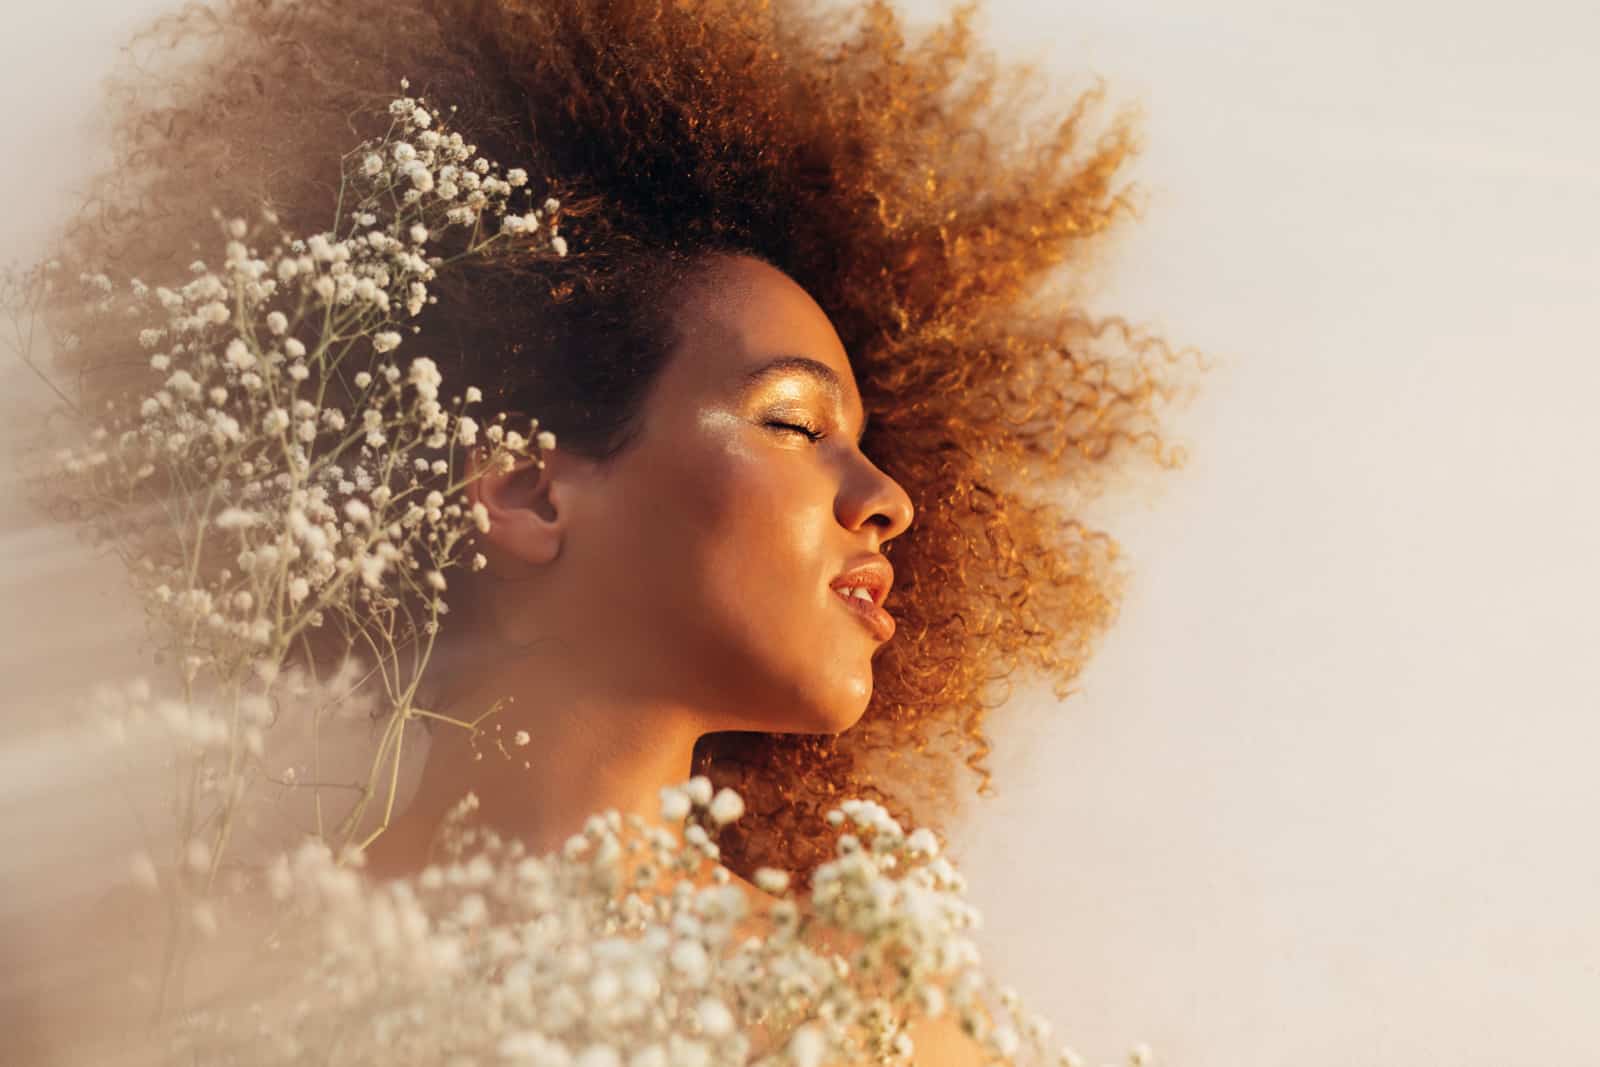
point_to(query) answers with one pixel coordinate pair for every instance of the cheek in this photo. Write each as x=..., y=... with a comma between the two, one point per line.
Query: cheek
x=731, y=550
x=745, y=530
x=764, y=558
x=700, y=522
x=755, y=526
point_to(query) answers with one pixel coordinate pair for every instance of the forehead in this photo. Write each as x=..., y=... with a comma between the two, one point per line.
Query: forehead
x=740, y=315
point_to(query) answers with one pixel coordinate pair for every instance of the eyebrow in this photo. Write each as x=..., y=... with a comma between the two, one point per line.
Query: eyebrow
x=803, y=365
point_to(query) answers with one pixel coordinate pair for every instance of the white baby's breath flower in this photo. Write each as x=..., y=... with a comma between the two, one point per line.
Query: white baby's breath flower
x=421, y=177
x=182, y=384
x=714, y=1017
x=235, y=519
x=689, y=960
x=480, y=517
x=239, y=355
x=559, y=245
x=698, y=789
x=675, y=804
x=385, y=341
x=277, y=322
x=808, y=1046
x=771, y=880
x=726, y=807
x=923, y=842
x=1005, y=1041
x=424, y=376
x=546, y=440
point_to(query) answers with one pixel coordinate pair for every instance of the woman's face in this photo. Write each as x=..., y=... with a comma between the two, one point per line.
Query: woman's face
x=699, y=560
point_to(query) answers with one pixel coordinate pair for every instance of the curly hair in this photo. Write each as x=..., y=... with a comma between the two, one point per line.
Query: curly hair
x=900, y=182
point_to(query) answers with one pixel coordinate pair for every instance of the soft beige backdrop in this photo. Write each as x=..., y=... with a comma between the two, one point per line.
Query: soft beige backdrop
x=1328, y=795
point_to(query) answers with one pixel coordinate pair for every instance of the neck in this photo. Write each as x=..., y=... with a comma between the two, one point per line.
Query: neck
x=562, y=746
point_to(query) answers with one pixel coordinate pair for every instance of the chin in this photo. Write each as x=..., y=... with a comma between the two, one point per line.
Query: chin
x=837, y=716
x=811, y=713
x=799, y=699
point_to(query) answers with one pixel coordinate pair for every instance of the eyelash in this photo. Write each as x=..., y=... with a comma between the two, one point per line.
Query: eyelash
x=811, y=434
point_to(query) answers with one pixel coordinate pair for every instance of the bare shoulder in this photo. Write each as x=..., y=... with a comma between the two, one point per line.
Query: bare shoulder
x=942, y=1043
x=938, y=1042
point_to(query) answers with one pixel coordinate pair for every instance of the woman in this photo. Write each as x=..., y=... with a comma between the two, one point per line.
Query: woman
x=816, y=314
x=697, y=582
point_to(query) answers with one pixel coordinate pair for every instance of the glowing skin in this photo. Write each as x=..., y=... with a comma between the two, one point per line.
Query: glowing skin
x=681, y=589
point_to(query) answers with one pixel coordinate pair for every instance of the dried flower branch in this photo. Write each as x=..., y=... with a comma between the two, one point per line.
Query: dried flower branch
x=284, y=467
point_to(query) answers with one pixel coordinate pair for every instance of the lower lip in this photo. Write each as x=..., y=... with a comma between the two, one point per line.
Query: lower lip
x=880, y=622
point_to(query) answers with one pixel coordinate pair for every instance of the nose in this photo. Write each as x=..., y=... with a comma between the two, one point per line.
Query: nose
x=871, y=497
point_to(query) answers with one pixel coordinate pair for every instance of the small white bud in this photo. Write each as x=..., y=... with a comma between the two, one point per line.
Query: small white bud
x=726, y=807
x=674, y=804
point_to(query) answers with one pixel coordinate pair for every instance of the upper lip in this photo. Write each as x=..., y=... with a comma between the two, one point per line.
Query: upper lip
x=873, y=574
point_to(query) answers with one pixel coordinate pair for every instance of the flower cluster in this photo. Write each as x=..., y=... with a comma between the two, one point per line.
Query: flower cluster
x=282, y=475
x=304, y=467
x=629, y=947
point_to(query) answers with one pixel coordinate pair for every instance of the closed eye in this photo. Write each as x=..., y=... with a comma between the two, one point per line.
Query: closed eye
x=811, y=434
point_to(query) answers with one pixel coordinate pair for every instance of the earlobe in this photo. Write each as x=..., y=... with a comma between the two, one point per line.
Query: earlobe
x=522, y=504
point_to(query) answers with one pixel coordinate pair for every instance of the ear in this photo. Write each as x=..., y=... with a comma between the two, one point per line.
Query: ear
x=529, y=506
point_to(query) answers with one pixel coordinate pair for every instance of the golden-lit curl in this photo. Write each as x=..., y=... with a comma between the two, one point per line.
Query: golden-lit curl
x=903, y=183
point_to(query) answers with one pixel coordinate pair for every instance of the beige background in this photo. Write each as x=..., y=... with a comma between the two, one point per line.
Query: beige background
x=1328, y=795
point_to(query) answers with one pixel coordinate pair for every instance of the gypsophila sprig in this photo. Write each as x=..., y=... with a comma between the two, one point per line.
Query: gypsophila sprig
x=629, y=945
x=288, y=461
